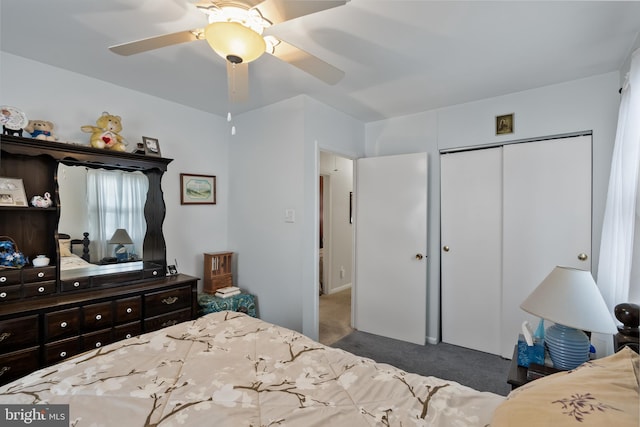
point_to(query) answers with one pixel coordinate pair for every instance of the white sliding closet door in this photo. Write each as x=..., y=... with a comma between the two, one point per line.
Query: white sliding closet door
x=546, y=220
x=471, y=237
x=508, y=216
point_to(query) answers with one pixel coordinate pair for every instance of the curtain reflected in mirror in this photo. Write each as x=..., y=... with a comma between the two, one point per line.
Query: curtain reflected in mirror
x=99, y=202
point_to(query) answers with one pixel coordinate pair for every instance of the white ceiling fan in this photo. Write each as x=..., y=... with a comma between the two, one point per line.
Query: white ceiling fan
x=236, y=32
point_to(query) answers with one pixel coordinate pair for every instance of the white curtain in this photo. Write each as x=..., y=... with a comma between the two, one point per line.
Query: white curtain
x=618, y=263
x=115, y=200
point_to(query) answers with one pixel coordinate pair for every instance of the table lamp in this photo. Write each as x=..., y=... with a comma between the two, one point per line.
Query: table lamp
x=121, y=238
x=571, y=299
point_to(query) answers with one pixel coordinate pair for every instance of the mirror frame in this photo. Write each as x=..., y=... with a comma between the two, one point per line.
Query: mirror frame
x=154, y=246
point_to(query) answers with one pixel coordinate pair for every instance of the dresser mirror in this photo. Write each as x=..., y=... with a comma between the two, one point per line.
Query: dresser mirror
x=100, y=201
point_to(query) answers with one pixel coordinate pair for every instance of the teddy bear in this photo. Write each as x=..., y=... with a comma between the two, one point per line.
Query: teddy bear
x=107, y=133
x=40, y=129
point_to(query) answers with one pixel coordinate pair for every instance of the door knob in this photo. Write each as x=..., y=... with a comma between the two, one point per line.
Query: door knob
x=582, y=257
x=419, y=256
x=445, y=248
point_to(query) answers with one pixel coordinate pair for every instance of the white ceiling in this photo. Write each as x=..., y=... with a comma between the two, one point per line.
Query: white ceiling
x=400, y=57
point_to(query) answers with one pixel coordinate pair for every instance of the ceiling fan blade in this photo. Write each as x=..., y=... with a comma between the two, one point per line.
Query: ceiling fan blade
x=156, y=42
x=238, y=81
x=308, y=63
x=278, y=11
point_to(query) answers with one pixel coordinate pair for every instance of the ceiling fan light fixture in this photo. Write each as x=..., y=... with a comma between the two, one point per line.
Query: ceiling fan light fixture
x=234, y=42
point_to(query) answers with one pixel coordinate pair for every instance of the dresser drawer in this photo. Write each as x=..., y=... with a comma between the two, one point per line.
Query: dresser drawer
x=18, y=333
x=40, y=288
x=75, y=284
x=10, y=277
x=128, y=309
x=60, y=350
x=153, y=272
x=9, y=293
x=127, y=330
x=169, y=319
x=115, y=279
x=165, y=301
x=17, y=364
x=38, y=274
x=97, y=316
x=62, y=323
x=96, y=340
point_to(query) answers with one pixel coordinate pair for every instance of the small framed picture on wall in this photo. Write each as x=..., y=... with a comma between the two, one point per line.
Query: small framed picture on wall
x=197, y=189
x=504, y=124
x=151, y=146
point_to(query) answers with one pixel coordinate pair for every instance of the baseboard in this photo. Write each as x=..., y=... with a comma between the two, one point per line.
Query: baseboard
x=339, y=289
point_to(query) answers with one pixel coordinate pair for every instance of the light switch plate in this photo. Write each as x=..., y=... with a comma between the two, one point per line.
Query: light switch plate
x=290, y=215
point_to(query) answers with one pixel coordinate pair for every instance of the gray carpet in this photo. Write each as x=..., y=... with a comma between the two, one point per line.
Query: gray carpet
x=475, y=369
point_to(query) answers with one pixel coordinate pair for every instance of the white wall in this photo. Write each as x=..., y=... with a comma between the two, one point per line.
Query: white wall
x=274, y=166
x=586, y=104
x=196, y=140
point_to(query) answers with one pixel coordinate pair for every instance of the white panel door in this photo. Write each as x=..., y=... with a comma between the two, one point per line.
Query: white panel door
x=547, y=220
x=471, y=248
x=390, y=291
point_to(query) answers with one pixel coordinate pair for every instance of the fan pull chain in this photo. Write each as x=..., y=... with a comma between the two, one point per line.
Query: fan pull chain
x=233, y=127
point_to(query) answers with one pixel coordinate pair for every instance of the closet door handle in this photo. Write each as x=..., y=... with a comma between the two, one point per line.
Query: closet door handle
x=419, y=256
x=445, y=248
x=582, y=256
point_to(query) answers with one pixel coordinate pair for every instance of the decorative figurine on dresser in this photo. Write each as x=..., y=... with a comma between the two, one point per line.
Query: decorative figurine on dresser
x=219, y=292
x=48, y=312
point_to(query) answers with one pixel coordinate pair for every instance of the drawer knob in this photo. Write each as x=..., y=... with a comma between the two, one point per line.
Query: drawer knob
x=63, y=354
x=41, y=289
x=4, y=369
x=129, y=310
x=4, y=336
x=3, y=295
x=3, y=279
x=64, y=324
x=76, y=284
x=170, y=300
x=155, y=273
x=98, y=316
x=128, y=336
x=41, y=274
x=98, y=344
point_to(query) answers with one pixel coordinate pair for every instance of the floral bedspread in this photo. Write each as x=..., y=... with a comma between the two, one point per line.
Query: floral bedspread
x=229, y=369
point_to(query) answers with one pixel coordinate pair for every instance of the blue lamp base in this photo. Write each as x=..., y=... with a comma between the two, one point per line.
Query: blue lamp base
x=121, y=253
x=568, y=347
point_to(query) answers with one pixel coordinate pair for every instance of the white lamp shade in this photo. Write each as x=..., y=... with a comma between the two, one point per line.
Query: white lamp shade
x=121, y=237
x=231, y=39
x=570, y=297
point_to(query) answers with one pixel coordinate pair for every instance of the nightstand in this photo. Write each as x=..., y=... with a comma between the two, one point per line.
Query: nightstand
x=519, y=375
x=244, y=303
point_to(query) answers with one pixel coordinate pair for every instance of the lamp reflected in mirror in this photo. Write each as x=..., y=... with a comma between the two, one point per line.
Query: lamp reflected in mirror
x=121, y=238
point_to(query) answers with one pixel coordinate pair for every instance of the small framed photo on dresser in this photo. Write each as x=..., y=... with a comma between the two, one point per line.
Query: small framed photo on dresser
x=12, y=192
x=151, y=146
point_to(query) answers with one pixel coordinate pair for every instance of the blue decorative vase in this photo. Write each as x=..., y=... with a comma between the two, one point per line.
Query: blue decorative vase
x=568, y=347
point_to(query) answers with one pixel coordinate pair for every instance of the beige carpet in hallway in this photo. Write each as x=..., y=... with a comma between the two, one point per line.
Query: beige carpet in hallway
x=335, y=316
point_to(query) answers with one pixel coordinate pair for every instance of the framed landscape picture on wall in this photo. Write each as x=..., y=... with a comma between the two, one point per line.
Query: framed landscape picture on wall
x=197, y=189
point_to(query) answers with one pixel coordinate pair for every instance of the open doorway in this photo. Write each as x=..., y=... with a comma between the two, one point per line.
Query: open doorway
x=336, y=247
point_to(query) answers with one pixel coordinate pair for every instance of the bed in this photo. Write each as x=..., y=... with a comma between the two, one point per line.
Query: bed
x=230, y=369
x=69, y=260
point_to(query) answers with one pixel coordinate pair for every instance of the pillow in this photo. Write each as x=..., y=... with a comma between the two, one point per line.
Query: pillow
x=65, y=247
x=602, y=392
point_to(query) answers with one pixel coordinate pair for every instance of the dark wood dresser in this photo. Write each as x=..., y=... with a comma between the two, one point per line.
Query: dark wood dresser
x=48, y=315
